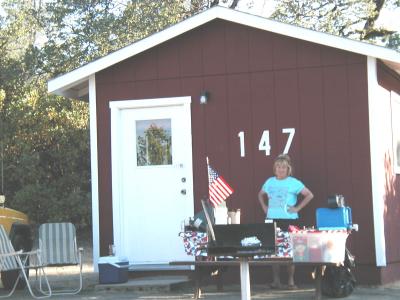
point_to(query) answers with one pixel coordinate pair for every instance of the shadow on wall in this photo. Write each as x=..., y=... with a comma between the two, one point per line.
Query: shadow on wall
x=391, y=209
x=397, y=160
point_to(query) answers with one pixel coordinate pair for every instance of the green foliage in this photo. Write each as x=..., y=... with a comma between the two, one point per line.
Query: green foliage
x=394, y=41
x=142, y=18
x=45, y=138
x=77, y=32
x=46, y=157
x=46, y=204
x=81, y=31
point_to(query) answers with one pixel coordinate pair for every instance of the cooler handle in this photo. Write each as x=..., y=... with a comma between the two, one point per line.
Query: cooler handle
x=119, y=266
x=349, y=215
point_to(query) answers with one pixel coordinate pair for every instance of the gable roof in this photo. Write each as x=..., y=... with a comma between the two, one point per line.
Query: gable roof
x=75, y=84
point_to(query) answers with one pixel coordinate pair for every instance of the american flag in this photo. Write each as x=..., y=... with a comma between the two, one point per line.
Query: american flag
x=218, y=188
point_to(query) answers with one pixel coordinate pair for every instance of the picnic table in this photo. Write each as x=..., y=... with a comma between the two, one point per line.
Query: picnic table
x=204, y=267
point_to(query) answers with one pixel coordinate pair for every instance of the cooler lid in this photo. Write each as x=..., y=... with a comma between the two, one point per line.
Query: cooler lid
x=112, y=259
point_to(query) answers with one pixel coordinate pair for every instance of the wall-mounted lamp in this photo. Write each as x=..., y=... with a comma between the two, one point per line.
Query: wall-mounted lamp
x=204, y=96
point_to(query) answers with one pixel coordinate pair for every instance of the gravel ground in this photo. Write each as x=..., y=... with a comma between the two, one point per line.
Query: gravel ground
x=66, y=276
x=230, y=292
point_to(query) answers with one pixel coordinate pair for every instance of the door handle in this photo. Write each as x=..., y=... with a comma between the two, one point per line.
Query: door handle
x=183, y=191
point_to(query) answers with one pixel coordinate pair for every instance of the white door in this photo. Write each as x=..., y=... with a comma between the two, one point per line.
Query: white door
x=152, y=178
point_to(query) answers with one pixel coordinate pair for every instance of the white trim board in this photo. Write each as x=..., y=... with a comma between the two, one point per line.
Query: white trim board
x=156, y=102
x=376, y=125
x=94, y=170
x=67, y=84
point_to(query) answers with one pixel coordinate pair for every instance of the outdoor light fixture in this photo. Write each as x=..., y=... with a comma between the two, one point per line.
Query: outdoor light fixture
x=204, y=97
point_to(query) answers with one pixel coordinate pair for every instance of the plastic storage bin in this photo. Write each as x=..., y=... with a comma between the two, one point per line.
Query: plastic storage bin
x=319, y=246
x=333, y=218
x=113, y=269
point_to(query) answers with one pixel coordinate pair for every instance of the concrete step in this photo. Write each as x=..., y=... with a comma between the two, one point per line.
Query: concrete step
x=151, y=283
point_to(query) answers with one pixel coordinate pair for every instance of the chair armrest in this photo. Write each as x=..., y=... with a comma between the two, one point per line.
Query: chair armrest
x=16, y=253
x=80, y=255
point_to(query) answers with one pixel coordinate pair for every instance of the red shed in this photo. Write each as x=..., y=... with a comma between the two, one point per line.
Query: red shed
x=330, y=102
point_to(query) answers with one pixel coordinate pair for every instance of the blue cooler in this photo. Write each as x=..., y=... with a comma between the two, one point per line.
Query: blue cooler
x=334, y=218
x=113, y=269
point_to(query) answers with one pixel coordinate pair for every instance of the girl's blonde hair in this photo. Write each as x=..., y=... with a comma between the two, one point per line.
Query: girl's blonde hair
x=283, y=159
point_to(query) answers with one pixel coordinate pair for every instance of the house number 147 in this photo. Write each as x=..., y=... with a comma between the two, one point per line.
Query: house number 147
x=264, y=144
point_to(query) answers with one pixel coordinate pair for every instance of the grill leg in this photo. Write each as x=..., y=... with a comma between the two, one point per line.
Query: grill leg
x=197, y=282
x=244, y=278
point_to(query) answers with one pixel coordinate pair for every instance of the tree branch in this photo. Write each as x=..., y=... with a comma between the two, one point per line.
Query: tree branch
x=234, y=4
x=214, y=3
x=376, y=33
x=370, y=23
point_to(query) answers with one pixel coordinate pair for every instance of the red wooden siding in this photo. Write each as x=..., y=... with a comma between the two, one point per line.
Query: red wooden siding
x=257, y=81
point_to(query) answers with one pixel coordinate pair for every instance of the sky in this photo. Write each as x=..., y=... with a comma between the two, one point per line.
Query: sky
x=391, y=19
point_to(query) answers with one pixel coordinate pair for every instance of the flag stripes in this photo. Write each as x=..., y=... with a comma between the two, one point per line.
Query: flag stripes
x=219, y=190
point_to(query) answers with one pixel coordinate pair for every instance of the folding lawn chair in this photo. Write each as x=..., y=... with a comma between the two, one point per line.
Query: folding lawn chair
x=19, y=260
x=58, y=247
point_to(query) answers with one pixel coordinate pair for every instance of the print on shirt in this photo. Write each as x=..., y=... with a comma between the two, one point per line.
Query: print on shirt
x=277, y=208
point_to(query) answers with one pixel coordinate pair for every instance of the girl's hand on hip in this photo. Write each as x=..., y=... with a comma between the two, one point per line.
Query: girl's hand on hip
x=292, y=209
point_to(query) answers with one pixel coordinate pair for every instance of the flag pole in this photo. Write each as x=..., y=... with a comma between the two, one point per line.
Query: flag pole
x=205, y=205
x=208, y=172
x=208, y=177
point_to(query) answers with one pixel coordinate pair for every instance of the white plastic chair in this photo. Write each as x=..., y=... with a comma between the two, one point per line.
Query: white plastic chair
x=58, y=247
x=22, y=261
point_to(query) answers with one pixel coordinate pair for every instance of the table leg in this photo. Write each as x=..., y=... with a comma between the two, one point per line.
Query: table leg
x=197, y=290
x=198, y=276
x=318, y=282
x=244, y=278
x=220, y=284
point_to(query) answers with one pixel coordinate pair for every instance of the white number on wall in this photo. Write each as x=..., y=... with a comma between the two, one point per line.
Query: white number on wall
x=291, y=132
x=264, y=144
x=241, y=138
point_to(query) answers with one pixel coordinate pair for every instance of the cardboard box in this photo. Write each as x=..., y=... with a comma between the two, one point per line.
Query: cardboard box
x=319, y=246
x=113, y=269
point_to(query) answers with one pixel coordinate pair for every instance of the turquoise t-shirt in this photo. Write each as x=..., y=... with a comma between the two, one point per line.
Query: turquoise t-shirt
x=281, y=194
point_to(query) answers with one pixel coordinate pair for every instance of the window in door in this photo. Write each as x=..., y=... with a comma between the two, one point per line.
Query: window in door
x=153, y=142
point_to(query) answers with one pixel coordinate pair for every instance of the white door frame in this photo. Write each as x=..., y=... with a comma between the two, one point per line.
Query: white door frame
x=116, y=140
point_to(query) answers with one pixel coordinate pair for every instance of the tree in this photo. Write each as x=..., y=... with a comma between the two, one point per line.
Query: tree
x=77, y=32
x=143, y=18
x=394, y=41
x=233, y=3
x=45, y=138
x=81, y=31
x=348, y=18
